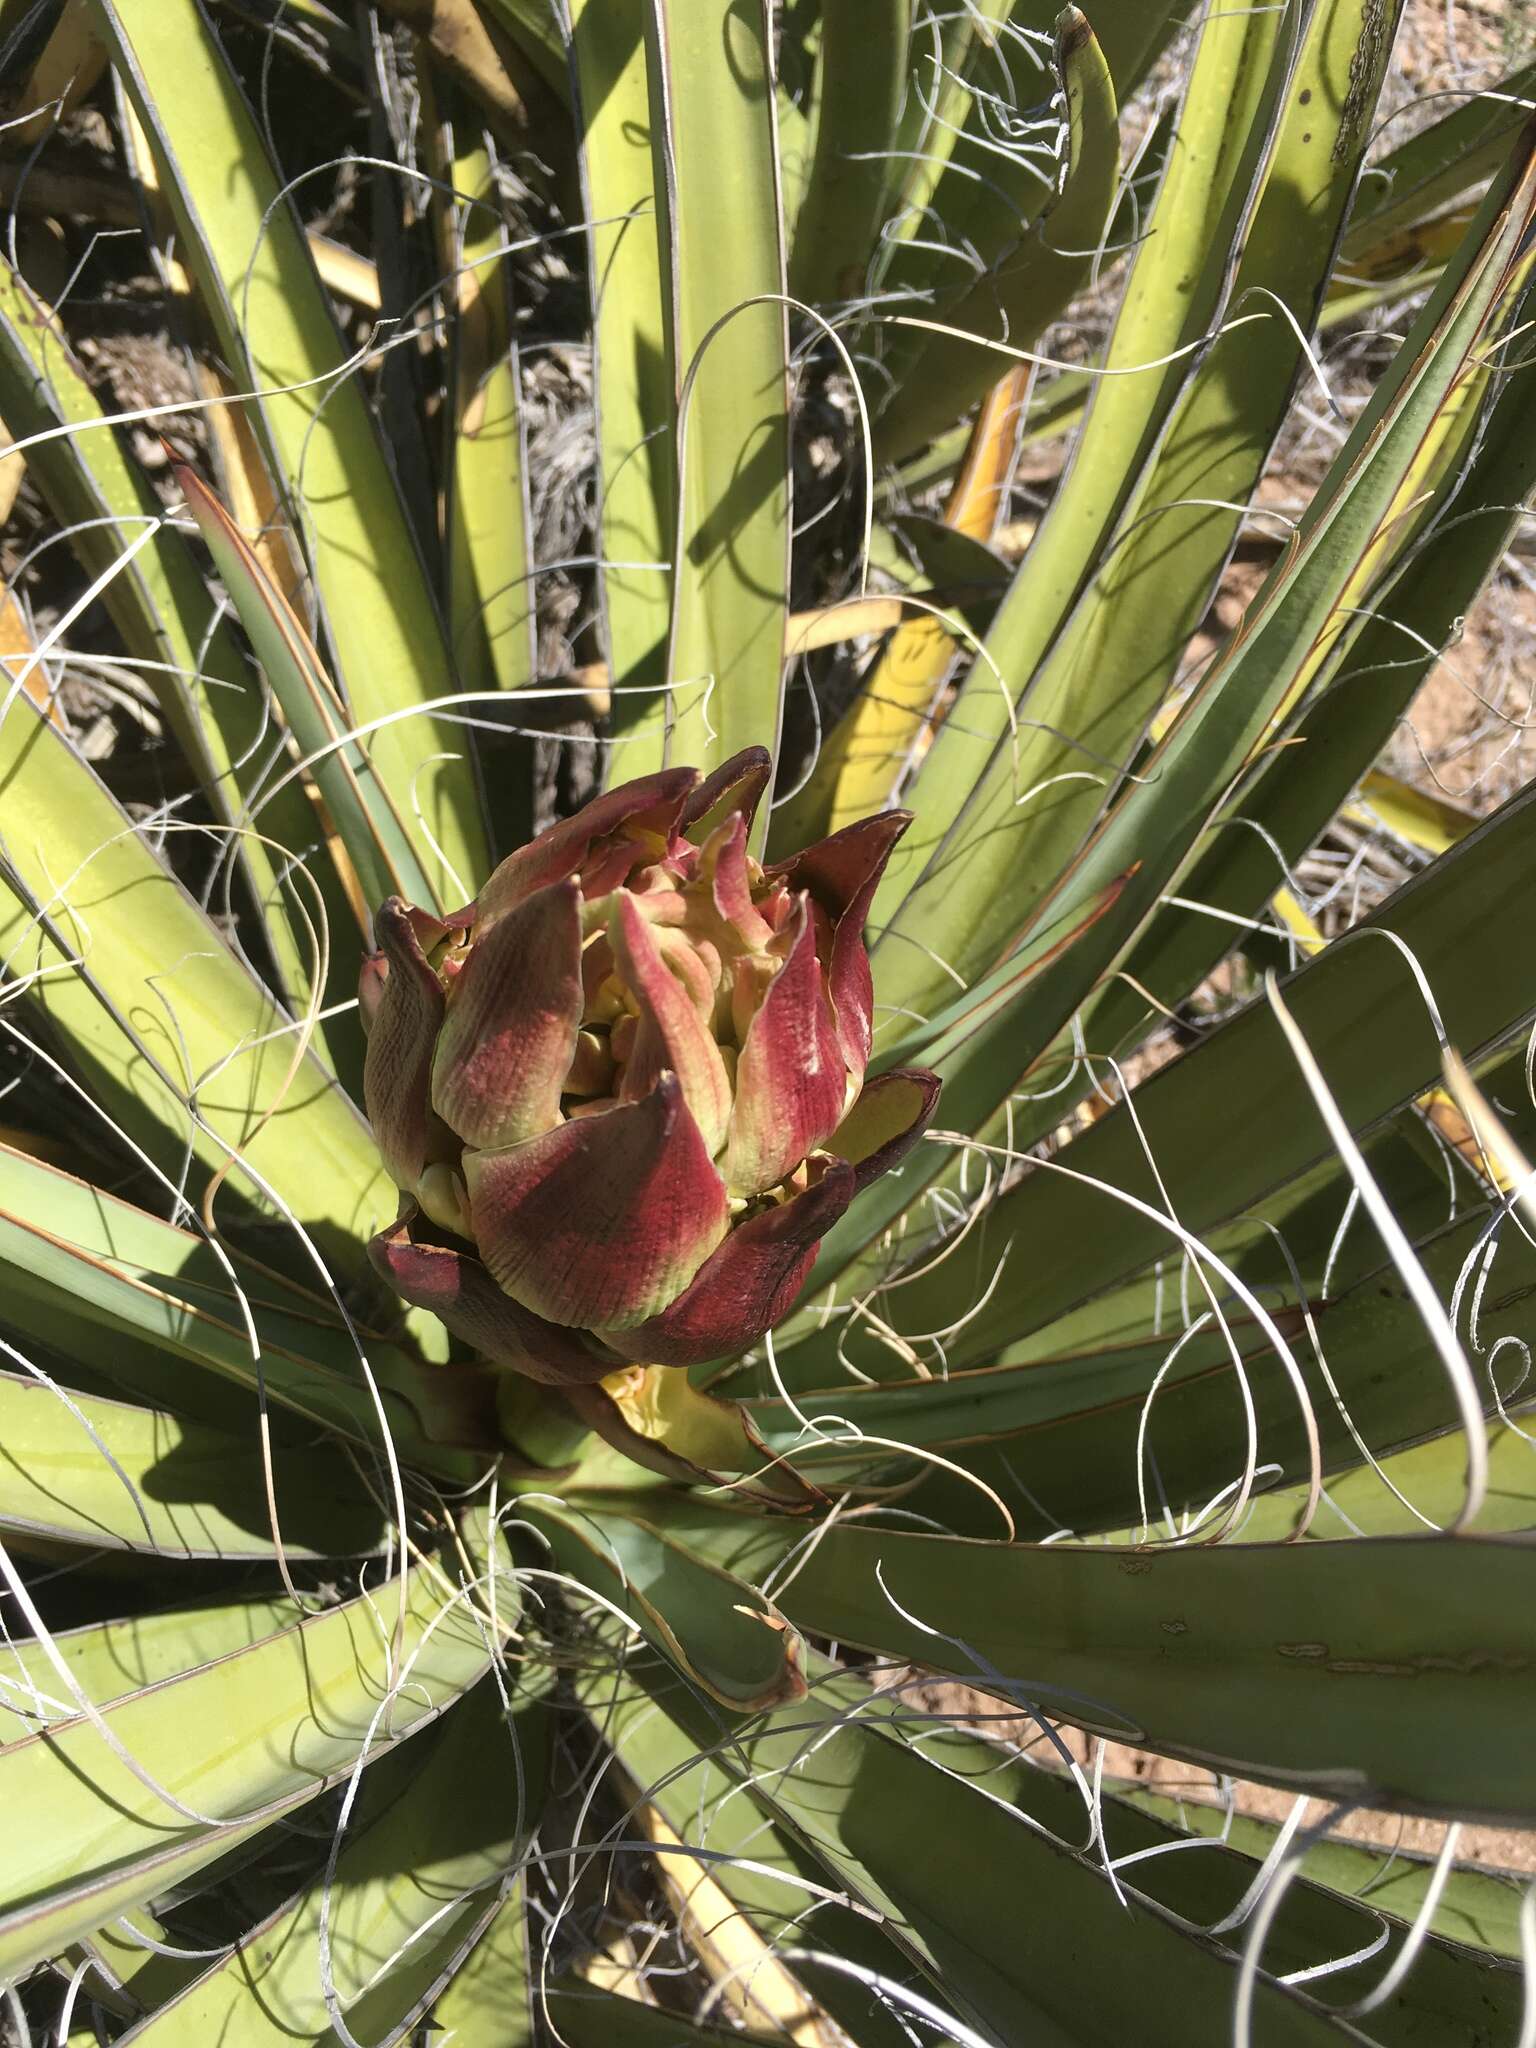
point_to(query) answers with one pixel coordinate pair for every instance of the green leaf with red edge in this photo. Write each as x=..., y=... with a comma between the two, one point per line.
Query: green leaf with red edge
x=181, y=1044
x=901, y=1814
x=1037, y=244
x=1334, y=1668
x=296, y=1713
x=163, y=1317
x=238, y=233
x=371, y=830
x=421, y=1870
x=1418, y=422
x=730, y=1641
x=710, y=76
x=160, y=604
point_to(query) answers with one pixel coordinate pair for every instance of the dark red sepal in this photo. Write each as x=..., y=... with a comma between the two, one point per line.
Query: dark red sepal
x=891, y=1114
x=457, y=1289
x=605, y=1219
x=749, y=1283
x=842, y=873
x=792, y=1076
x=407, y=1005
x=651, y=803
x=736, y=786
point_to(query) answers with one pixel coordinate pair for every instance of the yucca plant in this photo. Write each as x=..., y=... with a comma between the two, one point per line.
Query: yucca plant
x=473, y=1578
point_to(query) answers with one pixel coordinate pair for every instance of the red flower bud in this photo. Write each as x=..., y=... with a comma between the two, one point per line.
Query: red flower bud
x=622, y=1091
